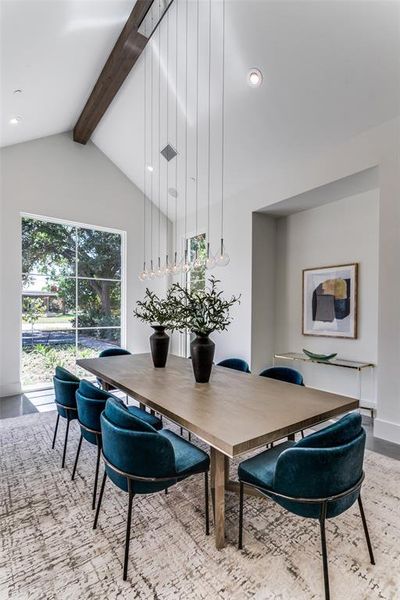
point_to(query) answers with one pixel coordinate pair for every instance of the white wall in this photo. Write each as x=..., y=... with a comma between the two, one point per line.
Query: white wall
x=58, y=178
x=376, y=147
x=342, y=232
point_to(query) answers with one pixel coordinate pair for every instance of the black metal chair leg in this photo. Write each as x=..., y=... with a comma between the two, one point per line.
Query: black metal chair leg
x=364, y=522
x=103, y=483
x=189, y=436
x=302, y=433
x=55, y=432
x=181, y=431
x=96, y=476
x=322, y=519
x=128, y=533
x=166, y=491
x=76, y=458
x=65, y=444
x=207, y=508
x=240, y=542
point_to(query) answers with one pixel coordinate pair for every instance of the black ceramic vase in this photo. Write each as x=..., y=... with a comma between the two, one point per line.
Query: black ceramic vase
x=159, y=343
x=202, y=352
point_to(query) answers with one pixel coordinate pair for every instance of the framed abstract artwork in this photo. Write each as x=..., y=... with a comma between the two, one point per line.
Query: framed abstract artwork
x=330, y=301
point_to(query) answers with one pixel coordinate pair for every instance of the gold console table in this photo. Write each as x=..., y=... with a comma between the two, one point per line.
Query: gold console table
x=334, y=362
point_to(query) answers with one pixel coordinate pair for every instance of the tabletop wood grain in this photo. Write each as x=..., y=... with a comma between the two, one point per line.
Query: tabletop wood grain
x=234, y=413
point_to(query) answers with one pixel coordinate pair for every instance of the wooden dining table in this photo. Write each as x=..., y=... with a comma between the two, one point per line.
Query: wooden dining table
x=235, y=413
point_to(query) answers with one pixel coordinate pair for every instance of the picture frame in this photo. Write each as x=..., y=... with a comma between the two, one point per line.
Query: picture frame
x=330, y=301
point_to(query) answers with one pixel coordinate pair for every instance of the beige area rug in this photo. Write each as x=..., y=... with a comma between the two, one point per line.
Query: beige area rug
x=49, y=550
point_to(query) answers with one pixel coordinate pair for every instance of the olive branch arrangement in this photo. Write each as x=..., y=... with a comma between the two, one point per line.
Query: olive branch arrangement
x=202, y=311
x=199, y=311
x=155, y=310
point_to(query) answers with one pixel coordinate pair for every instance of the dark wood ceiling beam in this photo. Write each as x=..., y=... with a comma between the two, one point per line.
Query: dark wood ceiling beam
x=124, y=55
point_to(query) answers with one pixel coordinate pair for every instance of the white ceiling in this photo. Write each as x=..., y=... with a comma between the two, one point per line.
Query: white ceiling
x=331, y=70
x=54, y=51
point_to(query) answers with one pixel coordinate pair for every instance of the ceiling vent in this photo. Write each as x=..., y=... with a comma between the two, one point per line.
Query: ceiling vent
x=168, y=152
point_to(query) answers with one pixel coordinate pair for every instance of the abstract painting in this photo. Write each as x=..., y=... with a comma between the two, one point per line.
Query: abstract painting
x=330, y=301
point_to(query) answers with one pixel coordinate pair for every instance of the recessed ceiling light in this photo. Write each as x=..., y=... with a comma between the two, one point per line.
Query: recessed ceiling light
x=17, y=91
x=15, y=120
x=254, y=77
x=150, y=168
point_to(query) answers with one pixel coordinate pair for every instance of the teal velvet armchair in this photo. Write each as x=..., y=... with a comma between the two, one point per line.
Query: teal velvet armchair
x=237, y=364
x=319, y=477
x=65, y=386
x=141, y=460
x=91, y=402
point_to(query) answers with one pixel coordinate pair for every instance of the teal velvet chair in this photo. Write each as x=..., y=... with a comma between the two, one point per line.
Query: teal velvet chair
x=65, y=386
x=287, y=375
x=91, y=402
x=283, y=374
x=141, y=460
x=115, y=351
x=238, y=364
x=319, y=477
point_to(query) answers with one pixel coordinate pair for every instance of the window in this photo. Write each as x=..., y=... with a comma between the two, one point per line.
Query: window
x=196, y=277
x=71, y=296
x=197, y=247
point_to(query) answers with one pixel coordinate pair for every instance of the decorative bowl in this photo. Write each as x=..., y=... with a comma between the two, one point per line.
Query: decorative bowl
x=314, y=356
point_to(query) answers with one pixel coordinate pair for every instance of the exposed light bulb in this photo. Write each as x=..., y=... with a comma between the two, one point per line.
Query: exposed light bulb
x=150, y=168
x=160, y=272
x=210, y=262
x=223, y=258
x=168, y=267
x=144, y=274
x=152, y=272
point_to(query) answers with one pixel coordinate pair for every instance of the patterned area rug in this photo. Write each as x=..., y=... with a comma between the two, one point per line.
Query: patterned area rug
x=49, y=550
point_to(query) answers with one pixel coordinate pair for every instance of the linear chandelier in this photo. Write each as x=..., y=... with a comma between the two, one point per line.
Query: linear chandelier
x=182, y=262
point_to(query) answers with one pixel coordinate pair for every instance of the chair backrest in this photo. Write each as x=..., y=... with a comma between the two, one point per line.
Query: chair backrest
x=323, y=464
x=238, y=364
x=113, y=352
x=91, y=402
x=65, y=386
x=134, y=447
x=283, y=374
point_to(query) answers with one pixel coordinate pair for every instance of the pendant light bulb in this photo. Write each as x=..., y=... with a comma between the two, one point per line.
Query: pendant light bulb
x=176, y=267
x=152, y=272
x=144, y=274
x=210, y=260
x=223, y=258
x=160, y=270
x=168, y=267
x=186, y=266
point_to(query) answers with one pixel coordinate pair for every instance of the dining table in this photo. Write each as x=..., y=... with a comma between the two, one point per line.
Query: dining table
x=234, y=414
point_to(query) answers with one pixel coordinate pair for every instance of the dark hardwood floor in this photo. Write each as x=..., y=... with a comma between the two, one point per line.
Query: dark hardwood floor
x=43, y=401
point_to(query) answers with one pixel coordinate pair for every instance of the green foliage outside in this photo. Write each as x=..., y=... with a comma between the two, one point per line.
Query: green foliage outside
x=51, y=249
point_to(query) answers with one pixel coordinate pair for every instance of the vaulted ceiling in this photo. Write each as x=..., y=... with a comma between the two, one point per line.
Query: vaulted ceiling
x=331, y=70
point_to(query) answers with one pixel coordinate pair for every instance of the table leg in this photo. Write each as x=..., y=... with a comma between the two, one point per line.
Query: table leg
x=218, y=493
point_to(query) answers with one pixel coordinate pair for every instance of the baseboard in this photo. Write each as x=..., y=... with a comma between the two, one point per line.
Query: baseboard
x=386, y=430
x=10, y=389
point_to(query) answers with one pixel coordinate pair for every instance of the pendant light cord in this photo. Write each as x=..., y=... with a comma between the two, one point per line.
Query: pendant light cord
x=209, y=132
x=151, y=146
x=144, y=157
x=197, y=114
x=176, y=128
x=186, y=123
x=223, y=121
x=167, y=174
x=159, y=144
